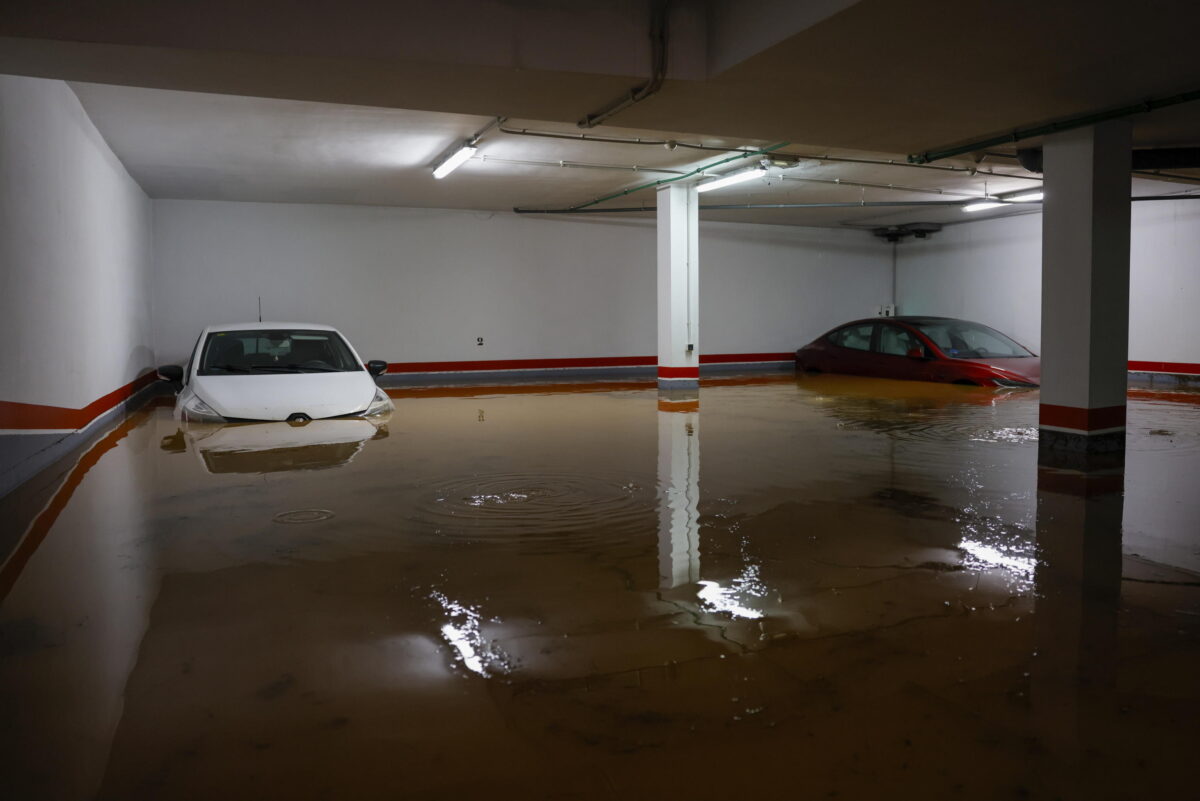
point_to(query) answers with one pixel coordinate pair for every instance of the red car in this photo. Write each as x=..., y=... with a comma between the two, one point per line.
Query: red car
x=923, y=349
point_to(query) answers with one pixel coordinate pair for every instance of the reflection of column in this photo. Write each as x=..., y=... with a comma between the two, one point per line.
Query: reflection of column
x=1078, y=580
x=678, y=489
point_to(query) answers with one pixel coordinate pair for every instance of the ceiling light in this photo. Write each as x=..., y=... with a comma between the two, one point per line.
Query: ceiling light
x=986, y=204
x=1028, y=197
x=454, y=161
x=729, y=180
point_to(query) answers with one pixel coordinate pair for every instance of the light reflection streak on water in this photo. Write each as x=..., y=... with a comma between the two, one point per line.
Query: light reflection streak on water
x=464, y=634
x=724, y=599
x=1022, y=566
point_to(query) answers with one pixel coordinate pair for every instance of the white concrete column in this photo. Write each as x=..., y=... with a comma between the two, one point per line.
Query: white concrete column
x=678, y=283
x=678, y=492
x=1085, y=289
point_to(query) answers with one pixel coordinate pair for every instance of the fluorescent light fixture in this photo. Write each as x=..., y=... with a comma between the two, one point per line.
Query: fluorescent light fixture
x=987, y=204
x=730, y=180
x=451, y=164
x=1027, y=197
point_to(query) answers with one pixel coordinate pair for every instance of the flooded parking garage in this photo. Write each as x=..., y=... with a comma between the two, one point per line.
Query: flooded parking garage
x=811, y=587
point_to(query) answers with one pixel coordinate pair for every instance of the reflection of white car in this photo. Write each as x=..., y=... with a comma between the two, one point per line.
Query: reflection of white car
x=275, y=371
x=272, y=447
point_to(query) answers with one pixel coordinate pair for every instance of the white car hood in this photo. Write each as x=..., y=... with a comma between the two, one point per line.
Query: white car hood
x=277, y=396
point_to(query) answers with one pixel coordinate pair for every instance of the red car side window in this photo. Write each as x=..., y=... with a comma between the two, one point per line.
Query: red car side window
x=897, y=341
x=855, y=337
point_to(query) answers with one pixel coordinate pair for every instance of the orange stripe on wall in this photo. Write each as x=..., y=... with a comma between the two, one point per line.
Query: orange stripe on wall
x=734, y=358
x=1081, y=419
x=33, y=415
x=42, y=524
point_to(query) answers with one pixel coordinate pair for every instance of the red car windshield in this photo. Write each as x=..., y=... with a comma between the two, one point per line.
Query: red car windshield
x=959, y=339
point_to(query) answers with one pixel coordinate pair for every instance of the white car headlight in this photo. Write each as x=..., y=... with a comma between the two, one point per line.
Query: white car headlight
x=198, y=411
x=379, y=404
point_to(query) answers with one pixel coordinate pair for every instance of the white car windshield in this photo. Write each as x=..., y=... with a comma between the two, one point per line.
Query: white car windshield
x=276, y=351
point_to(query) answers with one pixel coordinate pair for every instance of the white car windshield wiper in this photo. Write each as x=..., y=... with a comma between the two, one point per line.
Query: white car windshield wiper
x=316, y=368
x=277, y=368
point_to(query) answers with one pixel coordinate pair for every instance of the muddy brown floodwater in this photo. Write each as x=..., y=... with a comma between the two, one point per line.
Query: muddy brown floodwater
x=808, y=588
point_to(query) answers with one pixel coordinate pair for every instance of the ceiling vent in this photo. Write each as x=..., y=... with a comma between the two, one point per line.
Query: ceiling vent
x=896, y=233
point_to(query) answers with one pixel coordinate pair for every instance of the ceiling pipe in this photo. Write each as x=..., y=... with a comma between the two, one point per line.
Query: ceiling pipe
x=579, y=164
x=658, y=72
x=1155, y=174
x=638, y=168
x=728, y=206
x=671, y=144
x=868, y=204
x=1142, y=161
x=892, y=187
x=662, y=181
x=1068, y=124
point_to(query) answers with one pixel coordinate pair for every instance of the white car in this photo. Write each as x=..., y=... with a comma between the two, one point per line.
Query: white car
x=275, y=371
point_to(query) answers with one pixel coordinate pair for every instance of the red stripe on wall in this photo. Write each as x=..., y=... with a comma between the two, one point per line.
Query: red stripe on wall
x=1081, y=419
x=521, y=364
x=678, y=372
x=556, y=364
x=733, y=358
x=33, y=415
x=1165, y=367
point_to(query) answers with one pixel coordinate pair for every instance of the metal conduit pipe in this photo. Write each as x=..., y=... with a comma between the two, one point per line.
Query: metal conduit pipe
x=671, y=144
x=639, y=168
x=893, y=187
x=658, y=71
x=725, y=206
x=1141, y=161
x=579, y=164
x=1068, y=124
x=859, y=204
x=662, y=181
x=1157, y=174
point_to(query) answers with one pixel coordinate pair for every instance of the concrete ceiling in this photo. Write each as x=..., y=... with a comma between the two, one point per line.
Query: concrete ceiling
x=226, y=147
x=352, y=101
x=893, y=76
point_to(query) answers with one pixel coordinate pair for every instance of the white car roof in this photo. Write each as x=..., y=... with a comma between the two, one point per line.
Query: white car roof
x=269, y=327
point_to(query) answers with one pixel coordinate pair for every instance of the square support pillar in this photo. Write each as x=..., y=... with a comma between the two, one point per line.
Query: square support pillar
x=678, y=287
x=1085, y=292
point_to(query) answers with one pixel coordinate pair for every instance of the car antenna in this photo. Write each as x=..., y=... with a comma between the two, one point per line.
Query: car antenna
x=260, y=308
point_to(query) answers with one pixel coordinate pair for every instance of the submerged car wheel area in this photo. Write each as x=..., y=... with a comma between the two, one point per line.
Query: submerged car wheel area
x=938, y=349
x=292, y=372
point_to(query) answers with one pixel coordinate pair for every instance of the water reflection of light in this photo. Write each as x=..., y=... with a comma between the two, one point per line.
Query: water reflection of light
x=461, y=640
x=994, y=556
x=465, y=635
x=723, y=599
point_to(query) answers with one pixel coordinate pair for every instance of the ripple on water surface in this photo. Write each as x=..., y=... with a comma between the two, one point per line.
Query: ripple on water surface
x=539, y=508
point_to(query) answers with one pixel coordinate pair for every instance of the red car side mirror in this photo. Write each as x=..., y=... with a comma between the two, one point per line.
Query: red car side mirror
x=916, y=353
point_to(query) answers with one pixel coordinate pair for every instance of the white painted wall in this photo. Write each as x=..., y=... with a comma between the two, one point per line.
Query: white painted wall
x=74, y=253
x=773, y=288
x=990, y=271
x=414, y=285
